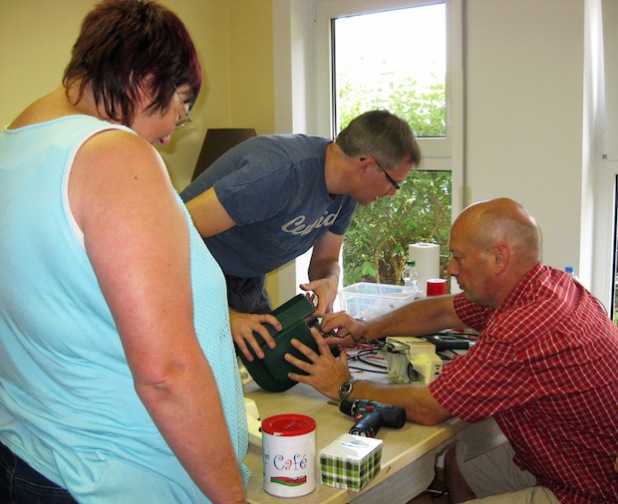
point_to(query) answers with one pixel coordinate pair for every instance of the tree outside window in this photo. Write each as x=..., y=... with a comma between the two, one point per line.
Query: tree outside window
x=383, y=74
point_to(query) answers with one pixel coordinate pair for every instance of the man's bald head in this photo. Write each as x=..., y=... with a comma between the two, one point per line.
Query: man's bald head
x=503, y=220
x=493, y=244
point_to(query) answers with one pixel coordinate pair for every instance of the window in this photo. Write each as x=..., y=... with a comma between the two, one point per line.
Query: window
x=395, y=60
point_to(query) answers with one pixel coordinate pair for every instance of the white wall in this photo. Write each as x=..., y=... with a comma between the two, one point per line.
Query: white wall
x=525, y=104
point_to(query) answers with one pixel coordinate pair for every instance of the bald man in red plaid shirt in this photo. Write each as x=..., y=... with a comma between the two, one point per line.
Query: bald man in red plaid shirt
x=545, y=367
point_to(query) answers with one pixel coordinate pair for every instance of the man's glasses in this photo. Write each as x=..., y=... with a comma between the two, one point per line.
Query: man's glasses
x=183, y=121
x=388, y=177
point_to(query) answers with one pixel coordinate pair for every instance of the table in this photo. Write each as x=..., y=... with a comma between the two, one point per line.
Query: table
x=408, y=454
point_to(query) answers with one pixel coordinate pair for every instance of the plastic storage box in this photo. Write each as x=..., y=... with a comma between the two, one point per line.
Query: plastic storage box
x=365, y=301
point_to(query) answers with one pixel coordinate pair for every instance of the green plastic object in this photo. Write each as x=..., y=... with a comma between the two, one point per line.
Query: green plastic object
x=271, y=372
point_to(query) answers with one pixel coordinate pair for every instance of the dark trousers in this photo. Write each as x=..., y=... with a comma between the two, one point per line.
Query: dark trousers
x=21, y=484
x=247, y=295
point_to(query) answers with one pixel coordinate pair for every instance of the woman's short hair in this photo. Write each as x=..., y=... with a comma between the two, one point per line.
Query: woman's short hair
x=128, y=45
x=382, y=135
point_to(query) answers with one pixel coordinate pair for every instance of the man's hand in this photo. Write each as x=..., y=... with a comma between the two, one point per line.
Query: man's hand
x=326, y=291
x=325, y=372
x=342, y=329
x=243, y=326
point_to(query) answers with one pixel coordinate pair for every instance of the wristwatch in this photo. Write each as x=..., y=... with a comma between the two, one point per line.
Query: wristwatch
x=346, y=389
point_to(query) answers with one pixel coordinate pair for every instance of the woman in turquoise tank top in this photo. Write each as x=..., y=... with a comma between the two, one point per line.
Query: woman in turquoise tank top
x=117, y=370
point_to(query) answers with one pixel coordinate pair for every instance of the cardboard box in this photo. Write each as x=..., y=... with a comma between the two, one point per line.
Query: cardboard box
x=350, y=462
x=366, y=301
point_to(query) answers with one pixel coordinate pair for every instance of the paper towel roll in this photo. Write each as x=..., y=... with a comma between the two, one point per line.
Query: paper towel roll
x=427, y=258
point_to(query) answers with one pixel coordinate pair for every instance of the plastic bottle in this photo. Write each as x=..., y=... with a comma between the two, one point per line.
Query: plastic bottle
x=571, y=271
x=410, y=277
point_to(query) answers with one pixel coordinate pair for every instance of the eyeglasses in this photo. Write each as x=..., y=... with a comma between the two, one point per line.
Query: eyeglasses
x=183, y=121
x=388, y=177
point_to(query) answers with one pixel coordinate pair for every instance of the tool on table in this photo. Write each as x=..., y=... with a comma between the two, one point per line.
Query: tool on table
x=448, y=342
x=371, y=415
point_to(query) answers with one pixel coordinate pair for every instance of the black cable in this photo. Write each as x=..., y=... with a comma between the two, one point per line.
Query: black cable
x=363, y=353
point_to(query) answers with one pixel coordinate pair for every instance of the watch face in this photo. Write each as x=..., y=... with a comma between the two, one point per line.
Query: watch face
x=346, y=388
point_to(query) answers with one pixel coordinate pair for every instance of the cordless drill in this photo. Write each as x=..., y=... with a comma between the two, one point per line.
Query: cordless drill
x=371, y=415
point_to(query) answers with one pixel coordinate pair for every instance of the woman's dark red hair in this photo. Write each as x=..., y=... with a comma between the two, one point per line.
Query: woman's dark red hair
x=125, y=45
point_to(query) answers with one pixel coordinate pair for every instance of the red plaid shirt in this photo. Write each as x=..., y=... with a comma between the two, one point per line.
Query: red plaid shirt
x=546, y=367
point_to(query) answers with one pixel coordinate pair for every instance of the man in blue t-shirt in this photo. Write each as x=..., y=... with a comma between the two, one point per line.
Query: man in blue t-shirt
x=271, y=198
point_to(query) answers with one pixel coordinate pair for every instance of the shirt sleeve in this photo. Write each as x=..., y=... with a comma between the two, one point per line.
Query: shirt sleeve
x=250, y=194
x=493, y=375
x=482, y=383
x=344, y=218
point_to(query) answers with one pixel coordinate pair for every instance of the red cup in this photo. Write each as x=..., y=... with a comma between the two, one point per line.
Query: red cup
x=436, y=287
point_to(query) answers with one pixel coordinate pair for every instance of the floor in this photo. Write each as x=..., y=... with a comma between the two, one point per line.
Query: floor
x=430, y=498
x=436, y=493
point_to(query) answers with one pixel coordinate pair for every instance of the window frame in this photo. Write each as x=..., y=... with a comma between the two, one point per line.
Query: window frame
x=438, y=153
x=299, y=107
x=603, y=72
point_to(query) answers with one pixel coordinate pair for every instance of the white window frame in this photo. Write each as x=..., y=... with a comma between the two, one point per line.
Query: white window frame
x=437, y=152
x=606, y=151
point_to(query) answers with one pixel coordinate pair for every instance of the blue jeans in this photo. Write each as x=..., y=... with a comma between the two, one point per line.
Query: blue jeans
x=21, y=484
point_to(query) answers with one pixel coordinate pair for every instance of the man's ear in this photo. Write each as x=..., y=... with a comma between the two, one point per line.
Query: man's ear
x=502, y=255
x=362, y=166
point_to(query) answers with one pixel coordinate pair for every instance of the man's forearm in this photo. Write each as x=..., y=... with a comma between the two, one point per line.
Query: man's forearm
x=324, y=270
x=420, y=405
x=418, y=318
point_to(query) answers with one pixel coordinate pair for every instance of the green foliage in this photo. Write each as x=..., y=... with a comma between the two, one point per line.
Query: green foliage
x=376, y=244
x=423, y=108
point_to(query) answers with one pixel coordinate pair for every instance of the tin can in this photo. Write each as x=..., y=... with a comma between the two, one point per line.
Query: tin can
x=288, y=444
x=436, y=287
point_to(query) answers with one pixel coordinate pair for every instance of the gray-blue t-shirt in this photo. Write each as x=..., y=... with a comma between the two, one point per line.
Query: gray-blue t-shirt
x=274, y=188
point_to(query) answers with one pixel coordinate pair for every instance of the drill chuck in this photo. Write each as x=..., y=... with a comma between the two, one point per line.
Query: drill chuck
x=367, y=425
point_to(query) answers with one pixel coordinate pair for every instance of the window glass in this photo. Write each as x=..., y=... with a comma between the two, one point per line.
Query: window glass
x=376, y=243
x=395, y=60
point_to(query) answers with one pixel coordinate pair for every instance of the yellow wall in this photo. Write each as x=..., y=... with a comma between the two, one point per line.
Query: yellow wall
x=233, y=38
x=234, y=41
x=252, y=103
